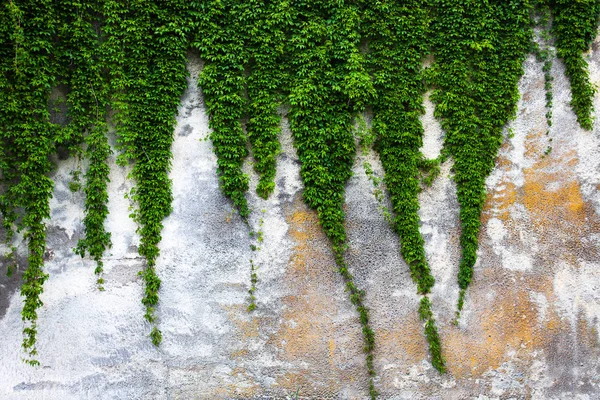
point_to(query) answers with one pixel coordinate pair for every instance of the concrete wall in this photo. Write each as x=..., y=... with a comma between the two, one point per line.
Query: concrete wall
x=529, y=330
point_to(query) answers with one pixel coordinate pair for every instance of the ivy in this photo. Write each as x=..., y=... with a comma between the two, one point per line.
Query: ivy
x=544, y=53
x=328, y=59
x=149, y=77
x=575, y=27
x=328, y=85
x=82, y=57
x=432, y=335
x=397, y=47
x=479, y=47
x=28, y=139
x=252, y=290
x=7, y=157
x=267, y=73
x=222, y=25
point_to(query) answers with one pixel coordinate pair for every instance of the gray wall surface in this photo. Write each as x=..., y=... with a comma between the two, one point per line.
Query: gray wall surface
x=529, y=330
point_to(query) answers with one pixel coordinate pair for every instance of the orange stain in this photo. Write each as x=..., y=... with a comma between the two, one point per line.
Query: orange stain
x=327, y=353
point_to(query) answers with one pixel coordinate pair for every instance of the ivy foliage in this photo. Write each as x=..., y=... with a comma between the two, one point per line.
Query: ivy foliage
x=266, y=76
x=575, y=27
x=147, y=48
x=397, y=48
x=242, y=43
x=544, y=53
x=328, y=59
x=479, y=48
x=221, y=38
x=28, y=72
x=329, y=84
x=82, y=70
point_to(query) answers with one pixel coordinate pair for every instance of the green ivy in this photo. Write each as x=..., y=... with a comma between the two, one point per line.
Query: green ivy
x=8, y=160
x=252, y=290
x=267, y=74
x=328, y=59
x=329, y=83
x=147, y=48
x=82, y=58
x=397, y=47
x=432, y=335
x=479, y=49
x=544, y=53
x=28, y=139
x=221, y=40
x=575, y=27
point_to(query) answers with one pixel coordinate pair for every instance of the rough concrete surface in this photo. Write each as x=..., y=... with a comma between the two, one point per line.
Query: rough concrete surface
x=529, y=330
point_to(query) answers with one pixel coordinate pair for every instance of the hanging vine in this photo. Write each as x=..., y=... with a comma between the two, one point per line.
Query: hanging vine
x=87, y=100
x=330, y=58
x=149, y=78
x=576, y=26
x=544, y=53
x=28, y=140
x=267, y=73
x=329, y=83
x=479, y=47
x=8, y=160
x=222, y=26
x=397, y=48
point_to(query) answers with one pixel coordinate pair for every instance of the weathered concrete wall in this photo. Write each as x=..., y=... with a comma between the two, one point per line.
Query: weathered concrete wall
x=530, y=328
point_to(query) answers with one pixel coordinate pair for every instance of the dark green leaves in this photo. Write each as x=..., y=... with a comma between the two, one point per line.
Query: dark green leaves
x=476, y=94
x=398, y=45
x=575, y=26
x=328, y=85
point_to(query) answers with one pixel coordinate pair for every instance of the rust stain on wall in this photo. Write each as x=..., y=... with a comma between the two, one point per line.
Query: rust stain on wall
x=508, y=324
x=247, y=326
x=315, y=332
x=402, y=344
x=244, y=387
x=502, y=326
x=501, y=197
x=561, y=218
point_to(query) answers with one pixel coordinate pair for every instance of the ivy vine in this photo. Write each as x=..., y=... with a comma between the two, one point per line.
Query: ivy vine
x=221, y=40
x=479, y=47
x=328, y=59
x=82, y=59
x=329, y=84
x=575, y=27
x=397, y=48
x=147, y=48
x=28, y=139
x=544, y=52
x=266, y=76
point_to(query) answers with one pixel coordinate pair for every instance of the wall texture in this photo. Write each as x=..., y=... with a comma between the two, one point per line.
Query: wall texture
x=529, y=330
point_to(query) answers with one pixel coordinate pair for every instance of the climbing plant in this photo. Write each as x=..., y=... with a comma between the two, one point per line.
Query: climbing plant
x=329, y=60
x=397, y=49
x=576, y=26
x=479, y=49
x=242, y=43
x=266, y=76
x=28, y=139
x=544, y=53
x=147, y=52
x=221, y=39
x=329, y=83
x=7, y=159
x=81, y=58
